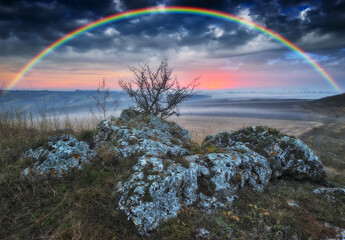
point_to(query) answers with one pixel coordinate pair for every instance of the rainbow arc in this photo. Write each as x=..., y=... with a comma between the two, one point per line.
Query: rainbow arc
x=175, y=10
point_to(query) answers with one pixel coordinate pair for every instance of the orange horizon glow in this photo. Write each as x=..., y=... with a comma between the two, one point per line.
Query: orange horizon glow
x=86, y=80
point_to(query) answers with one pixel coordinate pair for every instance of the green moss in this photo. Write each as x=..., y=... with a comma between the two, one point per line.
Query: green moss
x=174, y=141
x=206, y=186
x=86, y=135
x=213, y=149
x=240, y=150
x=182, y=227
x=182, y=160
x=147, y=196
x=195, y=148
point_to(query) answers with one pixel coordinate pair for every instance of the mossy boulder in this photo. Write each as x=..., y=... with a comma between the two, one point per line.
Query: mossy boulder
x=287, y=156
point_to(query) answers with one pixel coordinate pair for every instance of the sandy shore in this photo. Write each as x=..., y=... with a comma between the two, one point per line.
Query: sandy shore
x=201, y=126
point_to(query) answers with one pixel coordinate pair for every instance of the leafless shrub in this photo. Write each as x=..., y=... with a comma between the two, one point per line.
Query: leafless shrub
x=157, y=92
x=102, y=97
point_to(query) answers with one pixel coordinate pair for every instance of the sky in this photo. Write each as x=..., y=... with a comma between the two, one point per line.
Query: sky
x=222, y=54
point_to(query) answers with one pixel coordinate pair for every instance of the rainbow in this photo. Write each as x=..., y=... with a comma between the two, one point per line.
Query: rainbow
x=176, y=10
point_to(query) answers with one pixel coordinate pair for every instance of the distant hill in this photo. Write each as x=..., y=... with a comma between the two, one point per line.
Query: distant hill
x=332, y=105
x=332, y=101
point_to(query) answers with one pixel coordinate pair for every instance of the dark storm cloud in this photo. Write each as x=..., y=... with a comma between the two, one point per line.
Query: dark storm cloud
x=37, y=23
x=283, y=16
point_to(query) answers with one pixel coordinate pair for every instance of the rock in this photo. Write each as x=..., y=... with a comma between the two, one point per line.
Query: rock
x=158, y=188
x=336, y=190
x=279, y=235
x=292, y=203
x=204, y=234
x=287, y=156
x=336, y=194
x=340, y=233
x=59, y=155
x=135, y=134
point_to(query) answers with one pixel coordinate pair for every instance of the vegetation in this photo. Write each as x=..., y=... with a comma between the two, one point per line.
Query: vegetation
x=157, y=92
x=102, y=99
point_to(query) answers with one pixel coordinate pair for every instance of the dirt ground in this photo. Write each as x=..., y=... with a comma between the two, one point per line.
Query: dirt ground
x=201, y=126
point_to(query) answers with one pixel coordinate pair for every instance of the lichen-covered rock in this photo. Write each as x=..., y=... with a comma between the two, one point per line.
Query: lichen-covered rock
x=158, y=188
x=134, y=134
x=336, y=190
x=336, y=194
x=288, y=156
x=59, y=155
x=340, y=233
x=204, y=234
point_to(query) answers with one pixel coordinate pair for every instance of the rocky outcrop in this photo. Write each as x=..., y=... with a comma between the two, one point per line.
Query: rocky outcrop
x=287, y=156
x=134, y=134
x=58, y=156
x=167, y=176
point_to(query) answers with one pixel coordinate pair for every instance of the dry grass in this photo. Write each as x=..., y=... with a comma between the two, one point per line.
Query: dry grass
x=78, y=206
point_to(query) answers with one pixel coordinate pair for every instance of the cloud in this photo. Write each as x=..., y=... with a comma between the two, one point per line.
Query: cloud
x=110, y=32
x=215, y=31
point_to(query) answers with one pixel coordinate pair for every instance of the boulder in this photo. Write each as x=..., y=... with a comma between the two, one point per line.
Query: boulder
x=287, y=156
x=159, y=187
x=58, y=156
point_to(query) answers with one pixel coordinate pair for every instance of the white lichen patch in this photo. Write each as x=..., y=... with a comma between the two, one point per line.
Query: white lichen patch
x=58, y=156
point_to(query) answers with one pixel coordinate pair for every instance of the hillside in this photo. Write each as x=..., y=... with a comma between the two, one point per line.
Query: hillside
x=333, y=101
x=332, y=106
x=140, y=177
x=327, y=140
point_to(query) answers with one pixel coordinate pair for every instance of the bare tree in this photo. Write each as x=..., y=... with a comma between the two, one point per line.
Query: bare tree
x=157, y=92
x=101, y=98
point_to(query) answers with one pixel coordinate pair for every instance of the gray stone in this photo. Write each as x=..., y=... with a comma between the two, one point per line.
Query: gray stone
x=204, y=234
x=158, y=188
x=336, y=190
x=58, y=156
x=135, y=134
x=287, y=156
